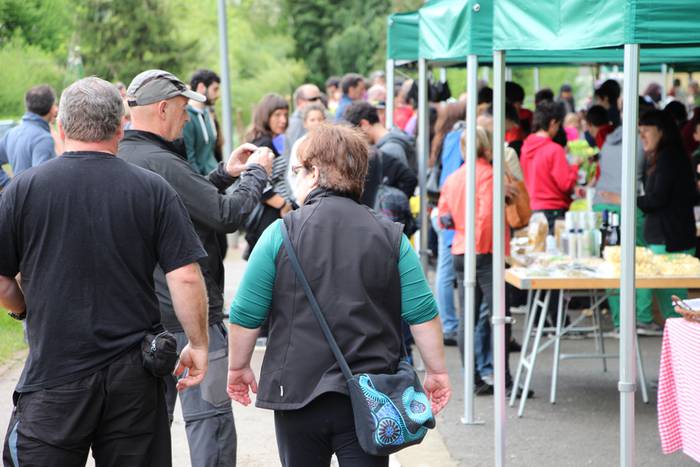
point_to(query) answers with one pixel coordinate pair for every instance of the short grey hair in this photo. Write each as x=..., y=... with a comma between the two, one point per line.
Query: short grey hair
x=91, y=110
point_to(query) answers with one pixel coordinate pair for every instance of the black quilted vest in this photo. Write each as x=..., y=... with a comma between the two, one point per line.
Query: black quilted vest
x=349, y=255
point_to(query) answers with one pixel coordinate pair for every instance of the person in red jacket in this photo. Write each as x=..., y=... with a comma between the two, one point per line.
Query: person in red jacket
x=549, y=178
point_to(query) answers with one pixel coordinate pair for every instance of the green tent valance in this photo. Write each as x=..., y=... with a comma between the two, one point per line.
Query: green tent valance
x=402, y=36
x=447, y=31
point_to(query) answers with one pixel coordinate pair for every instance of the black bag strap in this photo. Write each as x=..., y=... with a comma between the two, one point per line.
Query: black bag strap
x=314, y=304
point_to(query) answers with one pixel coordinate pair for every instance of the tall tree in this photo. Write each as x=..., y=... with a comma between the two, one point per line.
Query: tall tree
x=41, y=23
x=120, y=39
x=338, y=36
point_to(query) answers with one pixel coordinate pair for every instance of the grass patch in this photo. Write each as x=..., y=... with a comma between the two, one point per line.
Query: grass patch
x=11, y=337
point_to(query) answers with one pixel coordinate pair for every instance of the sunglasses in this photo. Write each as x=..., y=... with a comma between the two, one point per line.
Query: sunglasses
x=314, y=99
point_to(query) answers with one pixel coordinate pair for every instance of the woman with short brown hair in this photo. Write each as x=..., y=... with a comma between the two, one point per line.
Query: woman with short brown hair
x=366, y=278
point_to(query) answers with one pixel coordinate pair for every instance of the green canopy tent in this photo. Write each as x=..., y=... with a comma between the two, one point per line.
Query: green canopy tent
x=449, y=32
x=401, y=46
x=594, y=24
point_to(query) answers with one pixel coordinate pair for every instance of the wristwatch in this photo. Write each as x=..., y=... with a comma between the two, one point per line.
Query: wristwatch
x=18, y=316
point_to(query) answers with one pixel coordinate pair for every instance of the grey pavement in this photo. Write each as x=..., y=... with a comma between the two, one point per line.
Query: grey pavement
x=581, y=429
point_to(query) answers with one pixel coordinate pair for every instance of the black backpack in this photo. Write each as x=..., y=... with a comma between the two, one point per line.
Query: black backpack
x=393, y=203
x=409, y=148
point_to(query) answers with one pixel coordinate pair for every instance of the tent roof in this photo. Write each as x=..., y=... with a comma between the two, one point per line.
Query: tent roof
x=453, y=29
x=588, y=24
x=402, y=36
x=446, y=31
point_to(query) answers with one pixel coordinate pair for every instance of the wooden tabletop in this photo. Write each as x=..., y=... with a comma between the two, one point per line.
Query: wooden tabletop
x=517, y=278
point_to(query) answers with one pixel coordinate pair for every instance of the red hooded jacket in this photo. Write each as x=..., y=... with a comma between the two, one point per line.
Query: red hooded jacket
x=548, y=176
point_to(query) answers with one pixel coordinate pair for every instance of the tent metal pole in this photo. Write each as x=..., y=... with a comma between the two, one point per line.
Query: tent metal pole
x=536, y=72
x=390, y=85
x=422, y=146
x=499, y=289
x=486, y=74
x=227, y=123
x=628, y=369
x=664, y=80
x=470, y=235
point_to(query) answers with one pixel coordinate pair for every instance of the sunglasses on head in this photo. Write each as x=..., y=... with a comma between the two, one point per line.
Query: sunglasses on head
x=314, y=99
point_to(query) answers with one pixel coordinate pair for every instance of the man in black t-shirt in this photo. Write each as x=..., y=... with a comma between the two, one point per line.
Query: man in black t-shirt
x=85, y=232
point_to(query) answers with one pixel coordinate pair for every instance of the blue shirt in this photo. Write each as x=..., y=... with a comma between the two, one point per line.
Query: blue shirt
x=451, y=158
x=345, y=101
x=26, y=145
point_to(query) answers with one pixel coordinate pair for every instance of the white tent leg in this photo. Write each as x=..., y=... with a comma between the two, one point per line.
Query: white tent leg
x=423, y=147
x=470, y=235
x=390, y=83
x=628, y=377
x=499, y=289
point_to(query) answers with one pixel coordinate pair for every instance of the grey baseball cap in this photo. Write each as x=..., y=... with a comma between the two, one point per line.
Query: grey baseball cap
x=158, y=85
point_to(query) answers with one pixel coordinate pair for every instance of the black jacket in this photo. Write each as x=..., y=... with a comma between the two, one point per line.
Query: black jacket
x=390, y=169
x=212, y=210
x=349, y=255
x=669, y=197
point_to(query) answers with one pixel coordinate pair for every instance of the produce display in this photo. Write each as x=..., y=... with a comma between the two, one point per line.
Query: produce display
x=647, y=263
x=588, y=167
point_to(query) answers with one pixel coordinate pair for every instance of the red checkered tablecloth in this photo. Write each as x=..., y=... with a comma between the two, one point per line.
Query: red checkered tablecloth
x=679, y=388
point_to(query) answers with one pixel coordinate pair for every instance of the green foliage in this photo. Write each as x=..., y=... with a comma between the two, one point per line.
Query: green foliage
x=23, y=67
x=340, y=36
x=259, y=49
x=11, y=337
x=40, y=23
x=120, y=39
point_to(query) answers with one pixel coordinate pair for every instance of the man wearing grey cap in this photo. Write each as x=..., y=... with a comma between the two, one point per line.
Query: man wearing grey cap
x=158, y=102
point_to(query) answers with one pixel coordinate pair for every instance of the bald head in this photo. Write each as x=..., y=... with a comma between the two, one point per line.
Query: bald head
x=164, y=118
x=305, y=94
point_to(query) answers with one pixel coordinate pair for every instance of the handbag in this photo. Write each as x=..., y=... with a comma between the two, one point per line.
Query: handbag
x=391, y=411
x=518, y=212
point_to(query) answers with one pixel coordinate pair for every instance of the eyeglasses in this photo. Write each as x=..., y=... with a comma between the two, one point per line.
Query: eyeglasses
x=313, y=99
x=296, y=169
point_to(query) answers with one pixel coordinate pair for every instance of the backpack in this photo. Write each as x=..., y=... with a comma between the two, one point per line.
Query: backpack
x=393, y=203
x=409, y=148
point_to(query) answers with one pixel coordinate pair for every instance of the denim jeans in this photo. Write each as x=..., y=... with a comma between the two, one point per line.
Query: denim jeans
x=483, y=339
x=444, y=285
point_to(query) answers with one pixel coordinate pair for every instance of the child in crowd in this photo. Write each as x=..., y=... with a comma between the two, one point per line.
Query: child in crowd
x=313, y=116
x=599, y=125
x=572, y=126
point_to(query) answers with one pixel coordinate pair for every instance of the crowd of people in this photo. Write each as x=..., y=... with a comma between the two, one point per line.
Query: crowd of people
x=124, y=236
x=115, y=251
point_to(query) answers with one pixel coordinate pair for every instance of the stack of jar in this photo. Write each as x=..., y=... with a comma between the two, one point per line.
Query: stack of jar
x=581, y=237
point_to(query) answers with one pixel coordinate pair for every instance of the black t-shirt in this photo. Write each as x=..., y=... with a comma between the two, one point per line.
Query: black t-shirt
x=86, y=231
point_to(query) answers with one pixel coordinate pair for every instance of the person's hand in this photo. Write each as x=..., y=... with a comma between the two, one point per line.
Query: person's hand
x=240, y=383
x=437, y=388
x=195, y=360
x=285, y=209
x=612, y=198
x=263, y=156
x=238, y=159
x=512, y=192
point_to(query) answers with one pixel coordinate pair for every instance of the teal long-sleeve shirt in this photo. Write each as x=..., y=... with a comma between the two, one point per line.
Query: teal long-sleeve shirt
x=252, y=303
